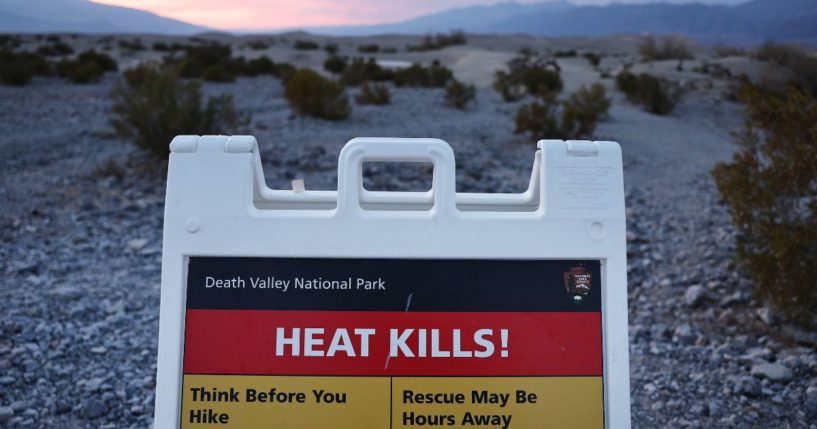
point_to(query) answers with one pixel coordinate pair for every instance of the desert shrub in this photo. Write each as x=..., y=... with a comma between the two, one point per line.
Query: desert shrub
x=389, y=50
x=576, y=117
x=305, y=45
x=131, y=45
x=627, y=82
x=88, y=67
x=435, y=75
x=53, y=38
x=439, y=41
x=211, y=61
x=656, y=95
x=55, y=49
x=569, y=53
x=583, y=109
x=330, y=49
x=164, y=47
x=654, y=48
x=771, y=188
x=259, y=66
x=284, y=70
x=789, y=65
x=152, y=105
x=10, y=41
x=723, y=51
x=458, y=94
x=510, y=88
x=334, y=64
x=528, y=73
x=592, y=58
x=369, y=49
x=311, y=94
x=373, y=93
x=539, y=119
x=258, y=45
x=14, y=70
x=538, y=80
x=17, y=68
x=360, y=70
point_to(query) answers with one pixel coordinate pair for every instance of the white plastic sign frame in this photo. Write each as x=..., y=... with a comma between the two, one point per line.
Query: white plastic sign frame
x=218, y=204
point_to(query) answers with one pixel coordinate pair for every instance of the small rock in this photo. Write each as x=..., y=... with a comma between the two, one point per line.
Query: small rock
x=98, y=350
x=94, y=409
x=699, y=410
x=4, y=381
x=766, y=316
x=772, y=371
x=695, y=295
x=137, y=243
x=6, y=413
x=747, y=386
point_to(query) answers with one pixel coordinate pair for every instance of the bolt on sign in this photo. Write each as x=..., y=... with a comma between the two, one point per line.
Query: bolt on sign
x=370, y=309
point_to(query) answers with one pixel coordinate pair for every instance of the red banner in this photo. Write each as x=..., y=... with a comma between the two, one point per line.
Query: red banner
x=393, y=343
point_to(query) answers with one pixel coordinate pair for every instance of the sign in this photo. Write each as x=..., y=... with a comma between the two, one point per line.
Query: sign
x=392, y=309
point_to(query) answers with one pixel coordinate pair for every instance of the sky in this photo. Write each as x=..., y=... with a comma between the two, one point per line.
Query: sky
x=271, y=14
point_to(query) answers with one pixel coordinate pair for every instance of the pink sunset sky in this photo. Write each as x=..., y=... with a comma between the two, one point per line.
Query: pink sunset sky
x=266, y=14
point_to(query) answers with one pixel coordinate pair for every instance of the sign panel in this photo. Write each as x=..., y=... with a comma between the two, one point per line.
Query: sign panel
x=361, y=309
x=392, y=343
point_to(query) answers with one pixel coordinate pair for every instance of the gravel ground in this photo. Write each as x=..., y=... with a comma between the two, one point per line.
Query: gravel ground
x=80, y=257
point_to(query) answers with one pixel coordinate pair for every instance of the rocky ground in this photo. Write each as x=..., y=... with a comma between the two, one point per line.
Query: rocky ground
x=80, y=255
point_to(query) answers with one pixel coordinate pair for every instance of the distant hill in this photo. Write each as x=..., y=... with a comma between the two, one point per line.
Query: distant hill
x=82, y=16
x=747, y=23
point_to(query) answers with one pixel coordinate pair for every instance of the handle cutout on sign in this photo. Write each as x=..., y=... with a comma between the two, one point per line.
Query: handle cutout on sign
x=397, y=176
x=352, y=197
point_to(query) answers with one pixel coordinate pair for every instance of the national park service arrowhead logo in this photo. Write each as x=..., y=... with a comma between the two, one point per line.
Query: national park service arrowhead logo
x=578, y=282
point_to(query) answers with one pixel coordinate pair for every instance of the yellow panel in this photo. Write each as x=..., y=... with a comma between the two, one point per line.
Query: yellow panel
x=366, y=406
x=488, y=402
x=560, y=402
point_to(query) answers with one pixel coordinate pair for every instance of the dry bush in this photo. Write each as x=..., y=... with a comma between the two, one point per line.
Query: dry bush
x=330, y=49
x=654, y=48
x=335, y=64
x=152, y=105
x=439, y=41
x=771, y=188
x=55, y=49
x=305, y=45
x=311, y=94
x=369, y=49
x=259, y=66
x=458, y=94
x=131, y=45
x=360, y=70
x=88, y=67
x=656, y=95
x=258, y=45
x=539, y=119
x=576, y=117
x=435, y=75
x=530, y=74
x=583, y=109
x=789, y=65
x=592, y=58
x=17, y=68
x=373, y=93
x=723, y=51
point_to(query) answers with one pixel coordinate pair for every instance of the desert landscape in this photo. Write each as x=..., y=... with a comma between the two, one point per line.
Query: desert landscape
x=81, y=218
